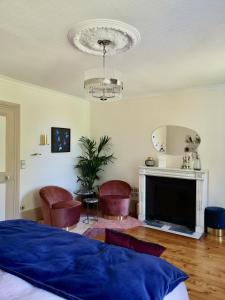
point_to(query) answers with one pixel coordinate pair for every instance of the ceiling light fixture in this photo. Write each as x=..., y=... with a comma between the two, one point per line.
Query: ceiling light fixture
x=103, y=37
x=103, y=84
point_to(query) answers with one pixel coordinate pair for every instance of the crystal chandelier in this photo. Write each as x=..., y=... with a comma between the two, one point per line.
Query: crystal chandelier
x=103, y=37
x=103, y=83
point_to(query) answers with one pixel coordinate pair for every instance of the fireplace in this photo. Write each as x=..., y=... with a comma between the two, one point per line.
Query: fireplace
x=173, y=200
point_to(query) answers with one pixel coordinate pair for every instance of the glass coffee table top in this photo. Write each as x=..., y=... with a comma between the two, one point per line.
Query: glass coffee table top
x=91, y=200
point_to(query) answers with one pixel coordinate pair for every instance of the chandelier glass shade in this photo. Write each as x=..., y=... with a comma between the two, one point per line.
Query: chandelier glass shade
x=102, y=83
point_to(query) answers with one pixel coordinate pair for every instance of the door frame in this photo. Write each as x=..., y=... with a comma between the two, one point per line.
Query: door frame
x=12, y=209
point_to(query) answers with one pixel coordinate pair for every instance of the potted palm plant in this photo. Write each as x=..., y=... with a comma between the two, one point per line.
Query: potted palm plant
x=94, y=157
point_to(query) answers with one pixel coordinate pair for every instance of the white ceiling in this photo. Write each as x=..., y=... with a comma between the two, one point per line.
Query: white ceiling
x=183, y=43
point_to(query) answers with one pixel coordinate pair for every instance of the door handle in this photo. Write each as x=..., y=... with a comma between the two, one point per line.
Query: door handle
x=7, y=177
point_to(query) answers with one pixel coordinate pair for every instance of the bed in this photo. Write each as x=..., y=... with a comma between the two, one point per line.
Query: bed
x=52, y=264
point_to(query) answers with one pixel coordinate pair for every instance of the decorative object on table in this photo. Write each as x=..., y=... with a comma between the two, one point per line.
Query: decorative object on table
x=192, y=161
x=150, y=162
x=197, y=162
x=103, y=37
x=60, y=139
x=114, y=198
x=215, y=220
x=58, y=207
x=43, y=140
x=91, y=201
x=186, y=162
x=192, y=143
x=91, y=162
x=125, y=240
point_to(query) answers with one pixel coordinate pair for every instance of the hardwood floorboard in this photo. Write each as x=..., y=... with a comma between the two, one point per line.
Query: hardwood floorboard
x=203, y=260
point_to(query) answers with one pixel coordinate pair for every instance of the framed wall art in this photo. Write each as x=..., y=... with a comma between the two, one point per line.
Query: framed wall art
x=60, y=139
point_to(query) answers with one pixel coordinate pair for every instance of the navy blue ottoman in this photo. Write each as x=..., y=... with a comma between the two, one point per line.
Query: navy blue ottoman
x=215, y=220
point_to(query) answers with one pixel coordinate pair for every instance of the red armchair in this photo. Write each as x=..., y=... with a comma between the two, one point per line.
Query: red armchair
x=58, y=207
x=114, y=198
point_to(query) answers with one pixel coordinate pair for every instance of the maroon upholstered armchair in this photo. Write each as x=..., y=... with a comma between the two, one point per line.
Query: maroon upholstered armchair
x=58, y=207
x=115, y=199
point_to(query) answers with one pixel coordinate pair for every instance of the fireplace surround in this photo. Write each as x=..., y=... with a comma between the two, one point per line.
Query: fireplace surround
x=173, y=200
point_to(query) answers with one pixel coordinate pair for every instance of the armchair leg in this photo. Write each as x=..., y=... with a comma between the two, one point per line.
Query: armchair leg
x=117, y=218
x=68, y=228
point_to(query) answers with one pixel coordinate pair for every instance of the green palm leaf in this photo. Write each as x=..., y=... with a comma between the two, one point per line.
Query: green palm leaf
x=92, y=161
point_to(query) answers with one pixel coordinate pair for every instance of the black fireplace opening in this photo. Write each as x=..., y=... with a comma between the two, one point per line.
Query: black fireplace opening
x=171, y=200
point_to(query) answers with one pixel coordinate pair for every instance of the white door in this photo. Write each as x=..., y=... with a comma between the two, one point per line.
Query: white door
x=9, y=161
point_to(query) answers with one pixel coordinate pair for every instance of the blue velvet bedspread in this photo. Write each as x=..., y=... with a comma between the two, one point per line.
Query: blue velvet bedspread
x=75, y=267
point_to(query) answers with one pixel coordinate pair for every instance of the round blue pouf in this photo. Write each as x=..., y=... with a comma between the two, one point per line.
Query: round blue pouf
x=215, y=217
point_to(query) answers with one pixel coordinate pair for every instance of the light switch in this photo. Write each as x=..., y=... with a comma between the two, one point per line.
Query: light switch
x=22, y=164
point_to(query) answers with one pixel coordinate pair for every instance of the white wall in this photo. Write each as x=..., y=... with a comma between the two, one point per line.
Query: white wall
x=2, y=164
x=3, y=143
x=130, y=124
x=42, y=109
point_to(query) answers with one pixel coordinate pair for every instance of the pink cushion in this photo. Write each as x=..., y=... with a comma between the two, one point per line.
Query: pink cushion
x=124, y=240
x=66, y=204
x=114, y=198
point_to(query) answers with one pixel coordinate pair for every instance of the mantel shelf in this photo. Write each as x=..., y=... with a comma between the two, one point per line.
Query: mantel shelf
x=176, y=173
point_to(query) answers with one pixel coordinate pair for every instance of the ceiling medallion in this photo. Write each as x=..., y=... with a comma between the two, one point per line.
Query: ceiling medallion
x=85, y=36
x=103, y=37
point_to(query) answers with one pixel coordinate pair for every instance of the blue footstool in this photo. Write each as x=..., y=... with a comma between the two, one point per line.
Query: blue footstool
x=215, y=220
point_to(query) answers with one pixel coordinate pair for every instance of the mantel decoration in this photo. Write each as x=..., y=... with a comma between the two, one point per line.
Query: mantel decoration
x=94, y=157
x=103, y=37
x=150, y=162
x=192, y=144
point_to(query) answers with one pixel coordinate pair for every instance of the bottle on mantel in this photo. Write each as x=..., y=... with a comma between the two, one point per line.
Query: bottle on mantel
x=197, y=163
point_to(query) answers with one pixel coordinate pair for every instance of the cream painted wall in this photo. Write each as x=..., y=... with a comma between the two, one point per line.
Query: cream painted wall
x=42, y=109
x=3, y=143
x=130, y=124
x=2, y=164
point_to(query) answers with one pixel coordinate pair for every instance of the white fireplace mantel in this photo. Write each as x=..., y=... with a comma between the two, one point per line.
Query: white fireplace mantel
x=201, y=178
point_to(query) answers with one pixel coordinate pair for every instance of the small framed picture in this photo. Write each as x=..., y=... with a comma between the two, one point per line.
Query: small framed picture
x=60, y=139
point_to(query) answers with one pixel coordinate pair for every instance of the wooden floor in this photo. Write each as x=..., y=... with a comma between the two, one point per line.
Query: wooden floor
x=203, y=260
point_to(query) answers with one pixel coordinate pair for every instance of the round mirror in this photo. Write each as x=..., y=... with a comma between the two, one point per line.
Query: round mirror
x=175, y=140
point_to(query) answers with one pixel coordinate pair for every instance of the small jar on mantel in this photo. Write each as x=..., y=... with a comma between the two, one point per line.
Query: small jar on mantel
x=150, y=162
x=197, y=163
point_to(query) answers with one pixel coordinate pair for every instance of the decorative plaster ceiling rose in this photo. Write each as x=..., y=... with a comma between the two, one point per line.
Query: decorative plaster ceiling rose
x=85, y=36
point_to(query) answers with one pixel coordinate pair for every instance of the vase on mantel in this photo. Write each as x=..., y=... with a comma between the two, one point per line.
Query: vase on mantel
x=197, y=163
x=150, y=162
